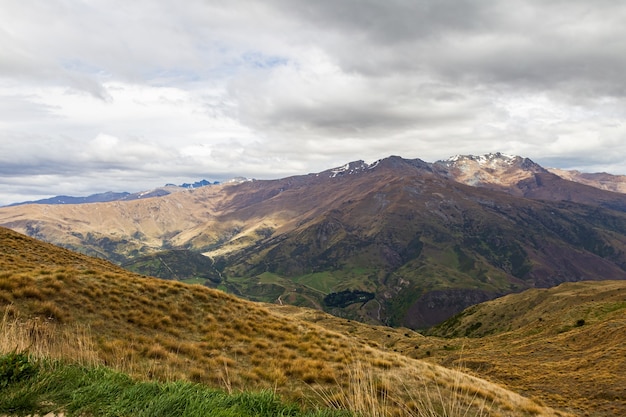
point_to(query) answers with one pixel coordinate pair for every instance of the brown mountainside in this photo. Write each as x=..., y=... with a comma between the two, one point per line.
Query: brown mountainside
x=398, y=242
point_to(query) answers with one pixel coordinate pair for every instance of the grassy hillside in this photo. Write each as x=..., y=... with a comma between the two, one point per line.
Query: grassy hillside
x=61, y=302
x=566, y=345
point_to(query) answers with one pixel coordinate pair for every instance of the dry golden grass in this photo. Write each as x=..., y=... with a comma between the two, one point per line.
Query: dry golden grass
x=565, y=346
x=535, y=344
x=46, y=339
x=166, y=330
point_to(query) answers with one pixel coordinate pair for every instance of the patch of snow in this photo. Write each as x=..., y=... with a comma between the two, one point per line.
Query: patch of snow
x=373, y=165
x=349, y=168
x=493, y=160
x=339, y=170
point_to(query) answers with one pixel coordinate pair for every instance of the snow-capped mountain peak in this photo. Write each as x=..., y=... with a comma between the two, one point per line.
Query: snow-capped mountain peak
x=349, y=168
x=492, y=168
x=489, y=160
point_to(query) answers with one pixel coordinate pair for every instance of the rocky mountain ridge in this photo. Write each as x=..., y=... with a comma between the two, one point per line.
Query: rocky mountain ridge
x=492, y=169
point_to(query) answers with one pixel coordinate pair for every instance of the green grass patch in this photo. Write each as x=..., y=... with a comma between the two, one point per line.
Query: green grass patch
x=333, y=281
x=323, y=282
x=239, y=279
x=270, y=278
x=192, y=281
x=609, y=307
x=100, y=391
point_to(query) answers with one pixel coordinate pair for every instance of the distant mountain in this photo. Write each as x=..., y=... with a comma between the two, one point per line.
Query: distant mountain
x=490, y=170
x=601, y=180
x=400, y=242
x=64, y=199
x=198, y=184
x=118, y=196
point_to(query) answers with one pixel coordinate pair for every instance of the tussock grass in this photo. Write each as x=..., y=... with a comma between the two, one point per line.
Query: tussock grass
x=564, y=345
x=434, y=392
x=166, y=331
x=46, y=339
x=532, y=345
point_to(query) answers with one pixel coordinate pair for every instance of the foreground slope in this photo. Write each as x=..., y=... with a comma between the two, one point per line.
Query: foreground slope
x=565, y=346
x=400, y=242
x=166, y=330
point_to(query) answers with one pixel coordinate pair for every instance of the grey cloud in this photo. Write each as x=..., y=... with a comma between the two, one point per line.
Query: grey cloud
x=61, y=155
x=279, y=87
x=391, y=22
x=80, y=44
x=534, y=44
x=569, y=51
x=347, y=105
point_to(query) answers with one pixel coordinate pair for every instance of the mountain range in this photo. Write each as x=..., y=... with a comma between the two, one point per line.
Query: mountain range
x=400, y=241
x=118, y=196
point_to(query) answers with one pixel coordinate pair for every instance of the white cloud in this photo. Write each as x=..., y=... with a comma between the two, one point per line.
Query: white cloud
x=116, y=94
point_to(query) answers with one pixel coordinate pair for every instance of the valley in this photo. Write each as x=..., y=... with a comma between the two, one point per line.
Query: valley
x=560, y=347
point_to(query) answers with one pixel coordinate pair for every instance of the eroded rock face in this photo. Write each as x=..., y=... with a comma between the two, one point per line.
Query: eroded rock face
x=495, y=170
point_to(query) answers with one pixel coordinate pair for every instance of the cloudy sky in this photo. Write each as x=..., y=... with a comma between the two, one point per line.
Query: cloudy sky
x=99, y=95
